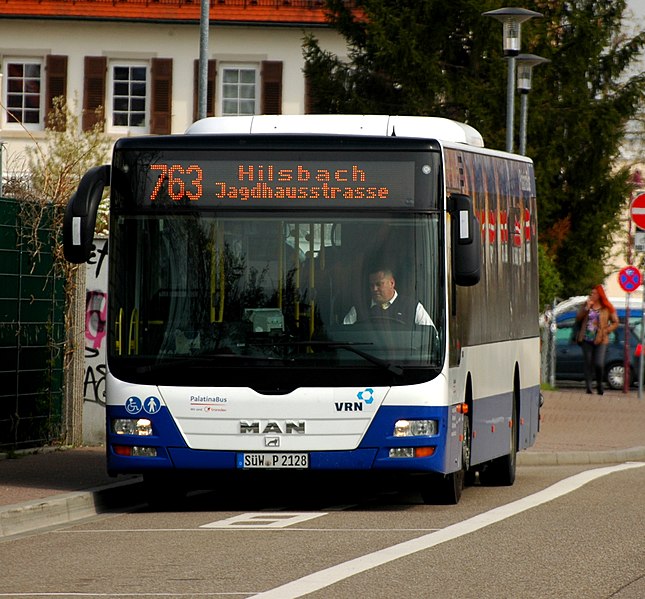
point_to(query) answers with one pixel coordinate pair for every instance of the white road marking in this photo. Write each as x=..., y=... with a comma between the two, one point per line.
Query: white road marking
x=324, y=578
x=257, y=520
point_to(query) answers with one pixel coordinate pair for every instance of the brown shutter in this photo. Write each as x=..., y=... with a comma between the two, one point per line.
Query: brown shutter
x=56, y=85
x=94, y=91
x=210, y=88
x=161, y=93
x=271, y=87
x=309, y=98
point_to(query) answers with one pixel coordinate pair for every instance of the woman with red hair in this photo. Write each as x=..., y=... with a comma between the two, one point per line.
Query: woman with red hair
x=597, y=318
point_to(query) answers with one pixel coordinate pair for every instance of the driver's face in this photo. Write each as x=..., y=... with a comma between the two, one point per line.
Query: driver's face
x=381, y=287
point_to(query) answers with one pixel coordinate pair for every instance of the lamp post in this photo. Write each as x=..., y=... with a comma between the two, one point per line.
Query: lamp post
x=202, y=82
x=512, y=19
x=525, y=64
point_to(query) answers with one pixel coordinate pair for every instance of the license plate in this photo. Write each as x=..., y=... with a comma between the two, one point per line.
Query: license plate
x=273, y=460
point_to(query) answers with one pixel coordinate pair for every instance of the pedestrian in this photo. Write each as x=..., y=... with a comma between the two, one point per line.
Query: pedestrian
x=597, y=318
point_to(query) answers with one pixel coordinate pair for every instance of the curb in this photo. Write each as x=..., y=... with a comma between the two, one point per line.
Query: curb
x=30, y=516
x=60, y=509
x=569, y=458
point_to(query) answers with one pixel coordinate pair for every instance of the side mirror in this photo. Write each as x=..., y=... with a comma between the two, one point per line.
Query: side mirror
x=80, y=214
x=466, y=242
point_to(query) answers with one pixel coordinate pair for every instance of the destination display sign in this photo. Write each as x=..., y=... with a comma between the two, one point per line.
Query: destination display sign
x=174, y=180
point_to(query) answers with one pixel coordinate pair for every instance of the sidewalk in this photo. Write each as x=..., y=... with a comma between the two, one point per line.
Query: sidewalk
x=577, y=428
x=55, y=486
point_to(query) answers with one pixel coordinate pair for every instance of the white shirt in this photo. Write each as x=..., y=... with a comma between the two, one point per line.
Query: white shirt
x=420, y=316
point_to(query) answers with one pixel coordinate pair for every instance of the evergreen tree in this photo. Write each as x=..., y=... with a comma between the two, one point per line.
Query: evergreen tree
x=431, y=57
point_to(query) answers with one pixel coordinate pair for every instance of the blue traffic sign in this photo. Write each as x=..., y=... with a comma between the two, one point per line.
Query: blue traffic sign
x=629, y=278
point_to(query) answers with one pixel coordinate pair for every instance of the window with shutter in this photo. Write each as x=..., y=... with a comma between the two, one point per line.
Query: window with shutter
x=271, y=87
x=238, y=90
x=56, y=86
x=128, y=97
x=94, y=91
x=161, y=96
x=23, y=94
x=309, y=96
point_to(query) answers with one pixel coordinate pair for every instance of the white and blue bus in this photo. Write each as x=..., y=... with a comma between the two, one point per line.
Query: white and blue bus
x=241, y=335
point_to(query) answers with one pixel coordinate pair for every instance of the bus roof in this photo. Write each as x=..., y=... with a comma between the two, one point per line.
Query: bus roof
x=441, y=129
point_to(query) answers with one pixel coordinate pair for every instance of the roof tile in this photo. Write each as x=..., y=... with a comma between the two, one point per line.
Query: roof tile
x=245, y=11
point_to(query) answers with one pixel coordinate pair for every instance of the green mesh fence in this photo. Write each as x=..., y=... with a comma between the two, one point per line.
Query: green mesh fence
x=32, y=333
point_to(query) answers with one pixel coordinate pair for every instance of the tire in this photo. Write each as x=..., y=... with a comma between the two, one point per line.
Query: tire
x=615, y=376
x=445, y=489
x=500, y=472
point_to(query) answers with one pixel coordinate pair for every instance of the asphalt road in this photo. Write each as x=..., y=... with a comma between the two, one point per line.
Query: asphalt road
x=560, y=531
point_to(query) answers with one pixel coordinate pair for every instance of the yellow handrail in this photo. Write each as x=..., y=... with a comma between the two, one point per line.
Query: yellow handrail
x=217, y=274
x=222, y=273
x=281, y=250
x=312, y=285
x=133, y=334
x=118, y=332
x=297, y=275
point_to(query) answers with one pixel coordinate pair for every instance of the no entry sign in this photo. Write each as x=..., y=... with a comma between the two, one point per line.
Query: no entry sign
x=637, y=211
x=629, y=278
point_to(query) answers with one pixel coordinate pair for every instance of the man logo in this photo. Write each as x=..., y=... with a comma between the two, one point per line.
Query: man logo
x=271, y=427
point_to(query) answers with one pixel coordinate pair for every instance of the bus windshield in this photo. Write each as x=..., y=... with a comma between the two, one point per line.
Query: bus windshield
x=197, y=296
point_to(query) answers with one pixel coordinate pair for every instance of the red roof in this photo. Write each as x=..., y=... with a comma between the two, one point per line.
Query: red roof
x=290, y=12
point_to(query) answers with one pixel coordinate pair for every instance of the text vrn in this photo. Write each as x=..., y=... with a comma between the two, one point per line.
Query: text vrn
x=253, y=173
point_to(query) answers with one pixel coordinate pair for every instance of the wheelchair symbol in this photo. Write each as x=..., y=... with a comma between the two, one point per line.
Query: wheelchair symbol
x=133, y=405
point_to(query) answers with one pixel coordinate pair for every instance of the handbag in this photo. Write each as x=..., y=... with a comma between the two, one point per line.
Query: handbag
x=575, y=335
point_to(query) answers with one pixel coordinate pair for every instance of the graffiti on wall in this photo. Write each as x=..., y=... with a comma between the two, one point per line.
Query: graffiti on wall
x=95, y=323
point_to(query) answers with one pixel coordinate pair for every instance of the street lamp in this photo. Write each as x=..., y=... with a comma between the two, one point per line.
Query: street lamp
x=202, y=82
x=525, y=64
x=512, y=19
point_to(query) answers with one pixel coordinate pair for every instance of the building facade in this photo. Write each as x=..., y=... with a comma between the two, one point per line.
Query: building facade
x=133, y=64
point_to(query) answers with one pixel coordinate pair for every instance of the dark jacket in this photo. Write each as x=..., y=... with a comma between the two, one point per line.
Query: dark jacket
x=402, y=309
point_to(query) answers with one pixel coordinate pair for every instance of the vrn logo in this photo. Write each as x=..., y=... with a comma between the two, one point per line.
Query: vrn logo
x=366, y=396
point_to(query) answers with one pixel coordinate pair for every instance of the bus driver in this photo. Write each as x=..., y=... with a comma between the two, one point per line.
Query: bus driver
x=386, y=302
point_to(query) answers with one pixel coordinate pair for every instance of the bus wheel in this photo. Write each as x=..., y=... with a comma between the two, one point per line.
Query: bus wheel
x=163, y=491
x=500, y=472
x=445, y=489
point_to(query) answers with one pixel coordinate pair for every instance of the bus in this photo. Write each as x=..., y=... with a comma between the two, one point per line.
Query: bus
x=237, y=253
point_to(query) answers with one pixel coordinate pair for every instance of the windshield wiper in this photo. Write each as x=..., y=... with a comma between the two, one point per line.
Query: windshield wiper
x=351, y=347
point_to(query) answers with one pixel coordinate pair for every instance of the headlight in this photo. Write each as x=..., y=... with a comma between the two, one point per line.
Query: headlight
x=416, y=428
x=126, y=426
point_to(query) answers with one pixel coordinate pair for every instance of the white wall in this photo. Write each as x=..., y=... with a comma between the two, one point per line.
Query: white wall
x=95, y=344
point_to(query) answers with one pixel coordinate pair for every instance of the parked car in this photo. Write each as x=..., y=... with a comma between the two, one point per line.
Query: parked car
x=569, y=362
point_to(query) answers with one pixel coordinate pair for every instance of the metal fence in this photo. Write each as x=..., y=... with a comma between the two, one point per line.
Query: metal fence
x=32, y=334
x=547, y=348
